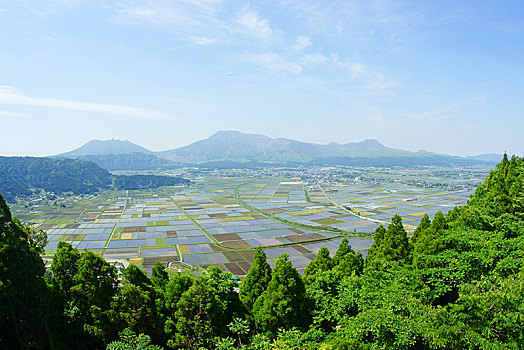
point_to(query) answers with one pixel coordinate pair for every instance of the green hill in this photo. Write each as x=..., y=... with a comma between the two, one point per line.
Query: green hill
x=22, y=176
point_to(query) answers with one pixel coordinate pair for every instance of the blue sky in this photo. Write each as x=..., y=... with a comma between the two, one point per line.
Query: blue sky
x=443, y=76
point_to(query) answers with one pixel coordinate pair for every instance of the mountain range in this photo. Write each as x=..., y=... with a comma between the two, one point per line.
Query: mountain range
x=233, y=149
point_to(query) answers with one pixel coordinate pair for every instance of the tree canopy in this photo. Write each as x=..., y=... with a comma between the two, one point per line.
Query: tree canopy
x=457, y=283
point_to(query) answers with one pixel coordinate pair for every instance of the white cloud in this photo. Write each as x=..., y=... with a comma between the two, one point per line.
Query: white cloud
x=11, y=114
x=250, y=21
x=372, y=79
x=274, y=62
x=314, y=59
x=10, y=96
x=202, y=40
x=301, y=43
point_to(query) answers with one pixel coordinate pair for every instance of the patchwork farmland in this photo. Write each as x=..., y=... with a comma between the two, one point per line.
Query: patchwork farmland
x=220, y=220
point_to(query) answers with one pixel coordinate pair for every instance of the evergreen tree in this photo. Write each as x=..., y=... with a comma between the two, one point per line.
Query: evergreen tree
x=130, y=341
x=159, y=276
x=64, y=267
x=89, y=300
x=134, y=308
x=390, y=247
x=174, y=290
x=321, y=263
x=283, y=303
x=343, y=249
x=256, y=281
x=224, y=286
x=346, y=262
x=430, y=241
x=134, y=275
x=198, y=316
x=22, y=287
x=424, y=224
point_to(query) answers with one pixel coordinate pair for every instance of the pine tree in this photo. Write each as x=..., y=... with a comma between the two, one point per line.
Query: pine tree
x=430, y=241
x=424, y=224
x=198, y=317
x=346, y=262
x=159, y=276
x=283, y=303
x=256, y=281
x=390, y=247
x=343, y=249
x=321, y=263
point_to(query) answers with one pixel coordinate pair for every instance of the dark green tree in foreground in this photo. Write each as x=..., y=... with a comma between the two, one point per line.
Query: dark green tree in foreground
x=422, y=226
x=131, y=341
x=256, y=281
x=429, y=240
x=346, y=262
x=22, y=287
x=321, y=263
x=159, y=276
x=391, y=246
x=198, y=318
x=283, y=303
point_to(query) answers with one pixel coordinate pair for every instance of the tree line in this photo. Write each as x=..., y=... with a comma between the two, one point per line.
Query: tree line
x=457, y=283
x=21, y=176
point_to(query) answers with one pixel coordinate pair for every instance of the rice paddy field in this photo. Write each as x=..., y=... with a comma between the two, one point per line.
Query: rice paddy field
x=221, y=220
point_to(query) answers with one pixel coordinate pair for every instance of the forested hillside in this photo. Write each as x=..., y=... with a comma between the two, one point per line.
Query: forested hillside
x=457, y=283
x=21, y=176
x=128, y=161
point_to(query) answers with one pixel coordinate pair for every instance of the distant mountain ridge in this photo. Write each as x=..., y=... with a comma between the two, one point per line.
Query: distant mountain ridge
x=96, y=147
x=235, y=147
x=487, y=157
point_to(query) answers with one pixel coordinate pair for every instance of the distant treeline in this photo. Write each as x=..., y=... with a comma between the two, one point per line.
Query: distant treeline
x=21, y=176
x=457, y=283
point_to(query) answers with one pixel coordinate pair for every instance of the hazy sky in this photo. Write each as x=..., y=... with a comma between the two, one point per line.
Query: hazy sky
x=444, y=76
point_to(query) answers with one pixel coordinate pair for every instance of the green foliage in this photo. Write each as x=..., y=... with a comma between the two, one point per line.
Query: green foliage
x=346, y=262
x=429, y=239
x=134, y=308
x=283, y=303
x=21, y=175
x=130, y=341
x=159, y=276
x=22, y=287
x=465, y=290
x=198, y=317
x=321, y=263
x=134, y=275
x=322, y=292
x=256, y=281
x=391, y=247
x=223, y=286
x=240, y=327
x=424, y=224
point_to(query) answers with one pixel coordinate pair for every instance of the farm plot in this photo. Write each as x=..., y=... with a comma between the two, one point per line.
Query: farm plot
x=206, y=225
x=382, y=201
